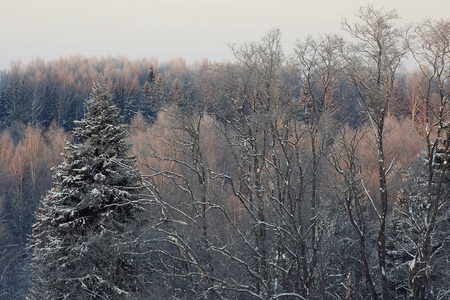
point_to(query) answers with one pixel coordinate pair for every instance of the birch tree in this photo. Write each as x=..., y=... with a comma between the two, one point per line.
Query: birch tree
x=427, y=210
x=372, y=63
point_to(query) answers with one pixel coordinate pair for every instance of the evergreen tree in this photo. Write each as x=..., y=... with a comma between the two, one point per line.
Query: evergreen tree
x=152, y=95
x=3, y=109
x=86, y=225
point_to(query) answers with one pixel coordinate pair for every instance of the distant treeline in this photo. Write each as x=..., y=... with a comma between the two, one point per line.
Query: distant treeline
x=43, y=92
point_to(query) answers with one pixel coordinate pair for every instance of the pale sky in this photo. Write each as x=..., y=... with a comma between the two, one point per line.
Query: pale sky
x=174, y=28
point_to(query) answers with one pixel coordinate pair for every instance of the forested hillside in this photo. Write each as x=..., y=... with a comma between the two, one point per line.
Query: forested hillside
x=317, y=175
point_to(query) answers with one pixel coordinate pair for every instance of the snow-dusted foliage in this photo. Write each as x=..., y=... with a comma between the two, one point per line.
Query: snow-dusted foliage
x=419, y=244
x=86, y=225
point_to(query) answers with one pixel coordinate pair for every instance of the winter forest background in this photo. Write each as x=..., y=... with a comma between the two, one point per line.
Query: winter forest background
x=318, y=175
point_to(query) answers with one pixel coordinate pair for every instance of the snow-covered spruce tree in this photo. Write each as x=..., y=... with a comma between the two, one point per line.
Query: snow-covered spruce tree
x=85, y=232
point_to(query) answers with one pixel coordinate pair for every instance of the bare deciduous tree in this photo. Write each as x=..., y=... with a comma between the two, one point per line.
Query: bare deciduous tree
x=372, y=63
x=429, y=43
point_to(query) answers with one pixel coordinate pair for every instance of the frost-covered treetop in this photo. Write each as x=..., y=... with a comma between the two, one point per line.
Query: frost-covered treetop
x=101, y=155
x=102, y=126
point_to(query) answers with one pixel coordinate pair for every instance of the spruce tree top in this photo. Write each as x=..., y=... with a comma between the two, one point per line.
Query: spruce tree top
x=103, y=126
x=98, y=179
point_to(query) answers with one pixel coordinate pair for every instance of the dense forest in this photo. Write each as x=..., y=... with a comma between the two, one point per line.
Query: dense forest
x=316, y=175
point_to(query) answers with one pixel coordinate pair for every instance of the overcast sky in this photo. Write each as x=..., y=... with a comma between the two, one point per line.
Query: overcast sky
x=165, y=29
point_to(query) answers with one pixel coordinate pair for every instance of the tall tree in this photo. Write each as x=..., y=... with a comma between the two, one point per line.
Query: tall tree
x=429, y=43
x=84, y=235
x=371, y=68
x=316, y=66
